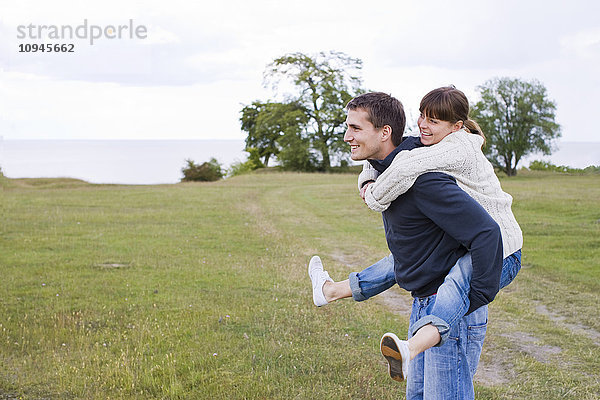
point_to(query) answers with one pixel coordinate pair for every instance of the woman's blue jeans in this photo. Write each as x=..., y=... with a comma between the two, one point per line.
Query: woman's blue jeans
x=452, y=299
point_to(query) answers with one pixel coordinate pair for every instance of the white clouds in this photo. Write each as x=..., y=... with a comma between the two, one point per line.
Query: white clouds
x=470, y=35
x=479, y=35
x=166, y=58
x=202, y=60
x=46, y=108
x=160, y=35
x=584, y=44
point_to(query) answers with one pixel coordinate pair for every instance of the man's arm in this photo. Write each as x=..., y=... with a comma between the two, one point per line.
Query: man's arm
x=461, y=217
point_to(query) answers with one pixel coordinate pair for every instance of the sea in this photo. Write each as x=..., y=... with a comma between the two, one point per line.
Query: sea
x=137, y=162
x=149, y=162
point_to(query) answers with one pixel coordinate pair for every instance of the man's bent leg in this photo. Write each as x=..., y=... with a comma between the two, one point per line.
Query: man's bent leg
x=446, y=372
x=416, y=368
x=373, y=280
x=476, y=330
x=449, y=369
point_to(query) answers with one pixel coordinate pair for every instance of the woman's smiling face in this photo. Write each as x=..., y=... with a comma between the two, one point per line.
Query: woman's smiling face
x=433, y=130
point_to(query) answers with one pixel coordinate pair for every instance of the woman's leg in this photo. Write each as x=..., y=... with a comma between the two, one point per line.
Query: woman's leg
x=380, y=276
x=336, y=290
x=361, y=285
x=373, y=280
x=452, y=302
x=511, y=266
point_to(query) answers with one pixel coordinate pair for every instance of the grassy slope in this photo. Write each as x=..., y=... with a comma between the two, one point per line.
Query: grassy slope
x=200, y=291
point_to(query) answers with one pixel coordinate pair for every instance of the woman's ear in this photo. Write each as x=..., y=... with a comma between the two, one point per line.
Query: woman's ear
x=458, y=125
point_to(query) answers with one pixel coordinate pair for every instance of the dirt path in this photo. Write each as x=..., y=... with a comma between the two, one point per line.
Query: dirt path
x=496, y=366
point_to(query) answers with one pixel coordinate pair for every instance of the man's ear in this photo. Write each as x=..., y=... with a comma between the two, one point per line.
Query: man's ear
x=386, y=133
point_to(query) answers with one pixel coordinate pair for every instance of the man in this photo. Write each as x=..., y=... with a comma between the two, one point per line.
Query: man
x=428, y=229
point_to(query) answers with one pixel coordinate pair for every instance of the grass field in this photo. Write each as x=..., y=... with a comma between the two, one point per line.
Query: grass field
x=199, y=291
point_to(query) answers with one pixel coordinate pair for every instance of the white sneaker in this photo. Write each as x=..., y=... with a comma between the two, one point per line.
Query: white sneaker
x=318, y=277
x=397, y=354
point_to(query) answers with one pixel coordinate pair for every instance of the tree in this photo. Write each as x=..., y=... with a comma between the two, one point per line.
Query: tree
x=517, y=118
x=296, y=154
x=325, y=83
x=207, y=172
x=266, y=123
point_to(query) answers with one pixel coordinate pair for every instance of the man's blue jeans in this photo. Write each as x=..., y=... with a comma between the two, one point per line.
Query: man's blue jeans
x=446, y=372
x=452, y=300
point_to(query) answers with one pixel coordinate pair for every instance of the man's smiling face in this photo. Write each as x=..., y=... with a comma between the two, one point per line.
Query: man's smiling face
x=364, y=139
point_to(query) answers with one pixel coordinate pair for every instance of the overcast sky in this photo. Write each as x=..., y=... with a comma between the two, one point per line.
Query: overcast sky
x=201, y=61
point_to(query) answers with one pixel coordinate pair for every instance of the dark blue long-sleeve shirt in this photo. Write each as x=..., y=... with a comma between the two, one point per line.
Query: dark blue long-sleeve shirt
x=431, y=226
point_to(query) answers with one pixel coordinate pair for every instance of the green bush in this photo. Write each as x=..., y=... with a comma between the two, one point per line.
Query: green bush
x=207, y=172
x=253, y=163
x=546, y=166
x=593, y=169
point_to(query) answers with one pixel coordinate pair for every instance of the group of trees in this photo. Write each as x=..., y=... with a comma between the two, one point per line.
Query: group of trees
x=305, y=131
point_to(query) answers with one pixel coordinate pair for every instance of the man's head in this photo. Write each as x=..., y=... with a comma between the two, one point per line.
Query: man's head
x=375, y=125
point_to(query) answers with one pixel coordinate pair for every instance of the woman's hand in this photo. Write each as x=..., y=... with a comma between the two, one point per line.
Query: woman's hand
x=363, y=190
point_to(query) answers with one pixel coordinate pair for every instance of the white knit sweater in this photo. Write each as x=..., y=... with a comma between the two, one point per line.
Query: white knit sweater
x=459, y=155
